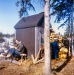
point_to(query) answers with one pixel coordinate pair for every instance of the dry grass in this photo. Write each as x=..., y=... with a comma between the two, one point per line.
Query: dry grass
x=28, y=68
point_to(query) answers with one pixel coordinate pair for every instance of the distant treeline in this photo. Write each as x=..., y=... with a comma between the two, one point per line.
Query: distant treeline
x=6, y=35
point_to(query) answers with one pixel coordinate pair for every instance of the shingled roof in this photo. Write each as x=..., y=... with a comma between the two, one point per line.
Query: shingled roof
x=30, y=21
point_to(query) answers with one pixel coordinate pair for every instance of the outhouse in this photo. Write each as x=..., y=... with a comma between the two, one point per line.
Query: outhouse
x=29, y=30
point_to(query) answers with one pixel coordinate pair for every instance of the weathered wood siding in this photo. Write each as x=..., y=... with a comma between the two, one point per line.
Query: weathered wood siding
x=27, y=37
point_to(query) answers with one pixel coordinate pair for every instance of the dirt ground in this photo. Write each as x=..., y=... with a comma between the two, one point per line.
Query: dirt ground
x=28, y=68
x=68, y=69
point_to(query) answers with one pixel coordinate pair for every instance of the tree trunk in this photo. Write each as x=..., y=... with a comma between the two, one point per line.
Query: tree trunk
x=72, y=26
x=69, y=33
x=47, y=38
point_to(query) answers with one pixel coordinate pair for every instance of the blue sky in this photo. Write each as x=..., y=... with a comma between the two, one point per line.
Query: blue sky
x=9, y=16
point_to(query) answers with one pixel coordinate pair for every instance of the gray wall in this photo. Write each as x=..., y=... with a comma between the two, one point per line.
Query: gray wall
x=39, y=31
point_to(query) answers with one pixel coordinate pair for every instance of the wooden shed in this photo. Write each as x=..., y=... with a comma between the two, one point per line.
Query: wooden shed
x=29, y=30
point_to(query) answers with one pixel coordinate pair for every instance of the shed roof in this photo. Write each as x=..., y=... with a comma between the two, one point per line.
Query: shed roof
x=30, y=21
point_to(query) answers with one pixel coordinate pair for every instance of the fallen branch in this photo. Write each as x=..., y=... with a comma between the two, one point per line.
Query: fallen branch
x=35, y=61
x=39, y=60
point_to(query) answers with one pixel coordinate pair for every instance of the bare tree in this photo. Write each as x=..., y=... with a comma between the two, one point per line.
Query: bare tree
x=46, y=38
